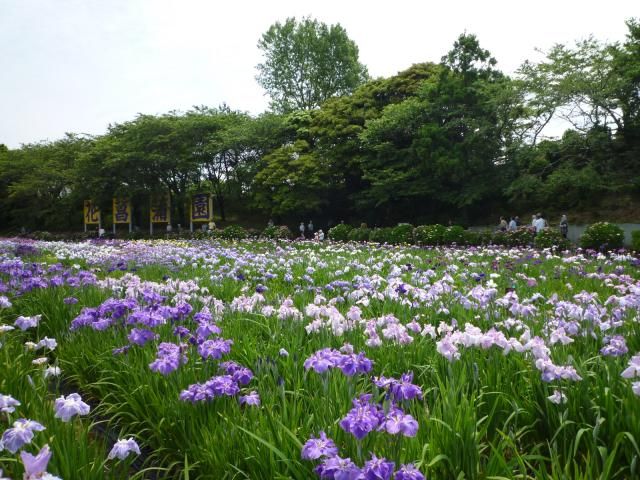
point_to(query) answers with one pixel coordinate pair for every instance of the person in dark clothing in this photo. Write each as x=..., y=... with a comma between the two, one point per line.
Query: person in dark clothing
x=564, y=226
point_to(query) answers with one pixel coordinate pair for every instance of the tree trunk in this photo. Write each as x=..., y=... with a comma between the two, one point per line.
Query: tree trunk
x=220, y=200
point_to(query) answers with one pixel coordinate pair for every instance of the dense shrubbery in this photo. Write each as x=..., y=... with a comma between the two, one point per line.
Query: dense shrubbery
x=429, y=234
x=360, y=234
x=551, y=237
x=340, y=232
x=521, y=237
x=232, y=232
x=476, y=238
x=277, y=232
x=602, y=235
x=381, y=235
x=402, y=233
x=453, y=235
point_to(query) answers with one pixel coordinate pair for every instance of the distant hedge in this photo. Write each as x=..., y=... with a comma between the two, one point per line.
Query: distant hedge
x=436, y=235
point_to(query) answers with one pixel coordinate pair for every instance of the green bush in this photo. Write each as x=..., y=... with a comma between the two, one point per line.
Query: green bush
x=402, y=233
x=602, y=236
x=476, y=238
x=635, y=241
x=500, y=238
x=381, y=235
x=429, y=234
x=453, y=234
x=550, y=237
x=277, y=232
x=521, y=236
x=359, y=234
x=340, y=232
x=232, y=232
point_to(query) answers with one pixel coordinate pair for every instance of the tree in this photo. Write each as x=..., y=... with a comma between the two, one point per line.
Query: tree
x=440, y=153
x=307, y=63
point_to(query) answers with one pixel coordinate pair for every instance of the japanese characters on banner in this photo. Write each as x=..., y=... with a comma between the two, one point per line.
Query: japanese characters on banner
x=201, y=207
x=160, y=211
x=121, y=210
x=91, y=213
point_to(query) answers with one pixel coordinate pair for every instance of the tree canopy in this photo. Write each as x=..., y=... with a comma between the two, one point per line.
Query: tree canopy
x=306, y=63
x=455, y=140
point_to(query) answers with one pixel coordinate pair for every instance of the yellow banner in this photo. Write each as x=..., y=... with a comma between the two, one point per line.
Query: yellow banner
x=121, y=210
x=202, y=207
x=91, y=213
x=160, y=211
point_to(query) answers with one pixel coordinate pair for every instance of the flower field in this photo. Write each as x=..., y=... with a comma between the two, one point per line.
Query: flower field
x=265, y=360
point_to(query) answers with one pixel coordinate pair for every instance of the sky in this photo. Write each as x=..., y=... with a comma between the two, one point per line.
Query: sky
x=80, y=65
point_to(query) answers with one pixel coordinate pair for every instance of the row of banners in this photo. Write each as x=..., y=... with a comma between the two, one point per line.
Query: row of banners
x=159, y=211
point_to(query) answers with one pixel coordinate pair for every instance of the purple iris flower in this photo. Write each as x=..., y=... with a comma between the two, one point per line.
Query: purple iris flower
x=152, y=298
x=67, y=407
x=36, y=466
x=70, y=301
x=214, y=348
x=4, y=302
x=121, y=350
x=240, y=374
x=252, y=399
x=223, y=385
x=315, y=448
x=353, y=364
x=337, y=468
x=378, y=469
x=633, y=370
x=140, y=336
x=404, y=389
x=13, y=439
x=203, y=316
x=363, y=418
x=206, y=329
x=168, y=359
x=322, y=360
x=397, y=422
x=147, y=317
x=408, y=472
x=181, y=331
x=196, y=392
x=616, y=346
x=24, y=323
x=8, y=403
x=122, y=448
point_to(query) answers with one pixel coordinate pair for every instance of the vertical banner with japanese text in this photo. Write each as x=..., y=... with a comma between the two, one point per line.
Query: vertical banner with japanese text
x=201, y=207
x=121, y=210
x=160, y=211
x=91, y=213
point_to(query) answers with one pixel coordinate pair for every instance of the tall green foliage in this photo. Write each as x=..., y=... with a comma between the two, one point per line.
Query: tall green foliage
x=455, y=141
x=306, y=63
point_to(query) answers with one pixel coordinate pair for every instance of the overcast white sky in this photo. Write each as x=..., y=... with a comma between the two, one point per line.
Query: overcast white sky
x=78, y=65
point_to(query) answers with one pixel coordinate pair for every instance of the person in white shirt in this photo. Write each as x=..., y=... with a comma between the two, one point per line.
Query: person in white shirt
x=512, y=224
x=539, y=223
x=320, y=235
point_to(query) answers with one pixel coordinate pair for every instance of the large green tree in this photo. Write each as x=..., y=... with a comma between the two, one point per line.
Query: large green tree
x=440, y=153
x=306, y=63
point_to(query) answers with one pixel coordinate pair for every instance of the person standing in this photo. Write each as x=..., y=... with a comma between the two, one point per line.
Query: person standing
x=301, y=229
x=517, y=220
x=502, y=226
x=512, y=224
x=539, y=223
x=310, y=228
x=564, y=226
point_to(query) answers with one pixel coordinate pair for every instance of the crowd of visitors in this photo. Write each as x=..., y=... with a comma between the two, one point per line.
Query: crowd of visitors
x=307, y=232
x=538, y=223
